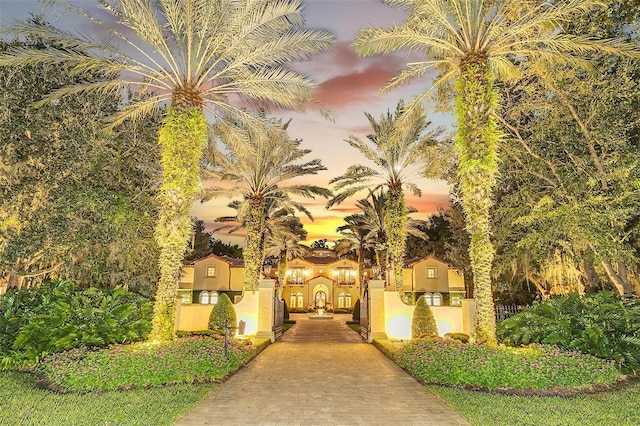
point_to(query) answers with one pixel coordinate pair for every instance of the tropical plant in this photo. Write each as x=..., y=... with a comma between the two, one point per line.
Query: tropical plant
x=192, y=54
x=59, y=315
x=355, y=237
x=600, y=324
x=258, y=164
x=223, y=314
x=282, y=233
x=472, y=44
x=423, y=322
x=395, y=151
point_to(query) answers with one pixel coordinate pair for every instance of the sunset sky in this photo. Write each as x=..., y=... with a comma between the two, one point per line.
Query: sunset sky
x=347, y=85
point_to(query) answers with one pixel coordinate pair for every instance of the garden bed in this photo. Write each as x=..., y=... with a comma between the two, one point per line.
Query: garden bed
x=196, y=359
x=532, y=370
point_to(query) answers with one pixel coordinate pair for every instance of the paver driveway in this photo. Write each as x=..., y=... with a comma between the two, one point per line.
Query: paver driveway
x=321, y=373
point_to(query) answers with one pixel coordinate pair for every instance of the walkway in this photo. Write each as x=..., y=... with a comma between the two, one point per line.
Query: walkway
x=321, y=373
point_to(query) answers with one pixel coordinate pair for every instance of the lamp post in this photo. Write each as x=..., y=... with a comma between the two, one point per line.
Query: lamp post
x=375, y=271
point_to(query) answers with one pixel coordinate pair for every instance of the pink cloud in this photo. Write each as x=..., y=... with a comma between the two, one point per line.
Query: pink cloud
x=356, y=87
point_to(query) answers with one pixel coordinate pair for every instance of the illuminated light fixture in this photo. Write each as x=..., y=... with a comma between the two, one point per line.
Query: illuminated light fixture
x=375, y=271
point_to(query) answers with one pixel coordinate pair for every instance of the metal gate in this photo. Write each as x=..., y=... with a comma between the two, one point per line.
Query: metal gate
x=364, y=316
x=278, y=315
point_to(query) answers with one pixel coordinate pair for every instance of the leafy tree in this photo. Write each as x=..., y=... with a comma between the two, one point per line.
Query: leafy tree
x=223, y=314
x=192, y=54
x=201, y=242
x=395, y=152
x=258, y=164
x=423, y=322
x=320, y=244
x=226, y=249
x=76, y=203
x=569, y=207
x=472, y=44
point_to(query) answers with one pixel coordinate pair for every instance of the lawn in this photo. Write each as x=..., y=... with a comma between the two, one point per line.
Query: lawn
x=618, y=407
x=23, y=403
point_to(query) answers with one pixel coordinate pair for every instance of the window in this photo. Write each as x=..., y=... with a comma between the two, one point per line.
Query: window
x=296, y=275
x=347, y=300
x=456, y=300
x=204, y=297
x=437, y=299
x=211, y=271
x=300, y=300
x=346, y=276
x=213, y=298
x=292, y=300
x=431, y=272
x=341, y=300
x=428, y=298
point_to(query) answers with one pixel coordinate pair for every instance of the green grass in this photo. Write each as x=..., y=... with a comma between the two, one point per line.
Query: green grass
x=617, y=407
x=23, y=403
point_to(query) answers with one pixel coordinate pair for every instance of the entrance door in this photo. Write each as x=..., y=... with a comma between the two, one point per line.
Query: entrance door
x=321, y=299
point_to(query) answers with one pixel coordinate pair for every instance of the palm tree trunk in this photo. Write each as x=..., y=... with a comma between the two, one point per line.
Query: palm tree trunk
x=396, y=224
x=476, y=142
x=182, y=139
x=253, y=252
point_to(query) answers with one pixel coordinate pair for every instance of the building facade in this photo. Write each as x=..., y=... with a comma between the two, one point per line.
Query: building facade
x=321, y=280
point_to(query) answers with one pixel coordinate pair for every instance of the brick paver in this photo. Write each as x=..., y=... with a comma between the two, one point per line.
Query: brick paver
x=321, y=373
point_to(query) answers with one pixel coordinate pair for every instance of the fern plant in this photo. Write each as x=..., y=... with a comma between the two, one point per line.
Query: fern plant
x=601, y=324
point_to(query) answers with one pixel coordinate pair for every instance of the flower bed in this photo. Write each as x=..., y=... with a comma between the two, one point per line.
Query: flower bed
x=536, y=369
x=185, y=360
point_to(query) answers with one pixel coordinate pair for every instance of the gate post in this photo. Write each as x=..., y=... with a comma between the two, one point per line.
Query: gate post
x=265, y=309
x=376, y=310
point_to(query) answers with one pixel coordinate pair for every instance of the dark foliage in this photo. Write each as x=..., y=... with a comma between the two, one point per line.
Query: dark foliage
x=59, y=315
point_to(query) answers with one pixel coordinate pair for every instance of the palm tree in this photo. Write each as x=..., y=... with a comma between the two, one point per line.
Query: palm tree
x=258, y=164
x=355, y=237
x=395, y=152
x=190, y=54
x=282, y=240
x=281, y=235
x=473, y=43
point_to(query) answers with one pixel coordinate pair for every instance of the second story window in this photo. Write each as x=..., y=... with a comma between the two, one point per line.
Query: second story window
x=346, y=276
x=431, y=273
x=296, y=275
x=211, y=271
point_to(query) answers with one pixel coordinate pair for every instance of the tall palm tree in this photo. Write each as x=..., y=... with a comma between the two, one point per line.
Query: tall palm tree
x=192, y=55
x=258, y=164
x=373, y=213
x=355, y=237
x=281, y=235
x=472, y=43
x=395, y=151
x=282, y=240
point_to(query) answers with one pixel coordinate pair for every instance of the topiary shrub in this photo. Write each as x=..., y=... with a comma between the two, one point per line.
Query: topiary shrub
x=60, y=315
x=223, y=314
x=423, y=322
x=356, y=312
x=600, y=324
